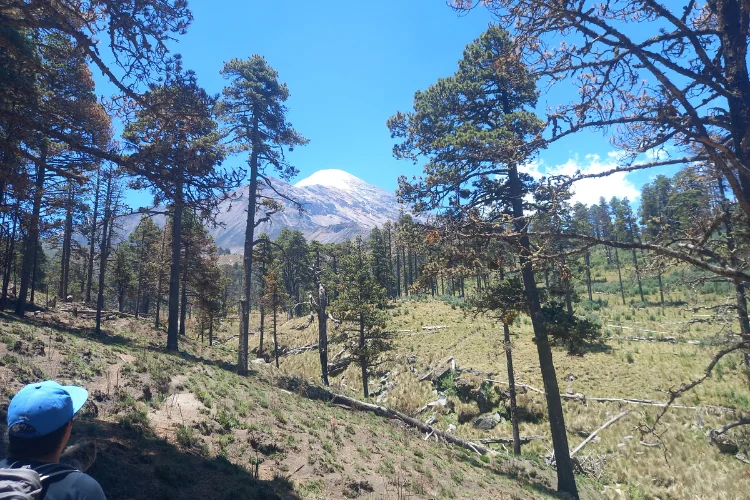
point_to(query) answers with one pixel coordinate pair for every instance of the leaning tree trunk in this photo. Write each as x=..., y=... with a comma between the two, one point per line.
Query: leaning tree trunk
x=565, y=478
x=739, y=286
x=247, y=260
x=32, y=235
x=174, y=270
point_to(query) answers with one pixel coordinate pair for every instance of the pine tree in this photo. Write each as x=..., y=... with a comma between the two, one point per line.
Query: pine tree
x=176, y=152
x=253, y=106
x=474, y=129
x=359, y=306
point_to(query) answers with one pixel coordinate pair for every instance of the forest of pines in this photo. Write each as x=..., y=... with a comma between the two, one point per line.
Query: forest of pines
x=477, y=230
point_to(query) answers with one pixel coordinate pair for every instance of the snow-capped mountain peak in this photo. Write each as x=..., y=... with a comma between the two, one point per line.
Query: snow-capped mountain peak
x=331, y=177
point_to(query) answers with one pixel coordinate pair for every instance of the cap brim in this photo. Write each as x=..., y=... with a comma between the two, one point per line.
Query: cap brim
x=78, y=395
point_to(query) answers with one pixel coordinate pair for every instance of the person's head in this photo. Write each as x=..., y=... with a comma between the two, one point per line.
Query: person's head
x=40, y=419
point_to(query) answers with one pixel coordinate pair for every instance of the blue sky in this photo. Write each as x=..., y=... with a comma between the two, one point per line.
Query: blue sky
x=351, y=65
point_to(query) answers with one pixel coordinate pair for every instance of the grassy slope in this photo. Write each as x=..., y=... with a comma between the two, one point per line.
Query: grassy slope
x=185, y=426
x=687, y=466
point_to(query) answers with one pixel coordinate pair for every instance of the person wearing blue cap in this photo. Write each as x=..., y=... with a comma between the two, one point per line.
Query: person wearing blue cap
x=40, y=420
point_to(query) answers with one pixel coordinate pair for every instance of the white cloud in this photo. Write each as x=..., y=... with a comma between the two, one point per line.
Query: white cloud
x=588, y=191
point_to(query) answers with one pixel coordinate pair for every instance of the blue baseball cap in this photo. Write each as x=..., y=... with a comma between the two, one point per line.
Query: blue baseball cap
x=41, y=408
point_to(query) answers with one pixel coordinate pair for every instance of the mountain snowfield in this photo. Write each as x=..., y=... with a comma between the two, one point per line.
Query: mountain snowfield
x=337, y=206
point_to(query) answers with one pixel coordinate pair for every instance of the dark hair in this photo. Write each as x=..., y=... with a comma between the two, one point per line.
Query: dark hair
x=20, y=447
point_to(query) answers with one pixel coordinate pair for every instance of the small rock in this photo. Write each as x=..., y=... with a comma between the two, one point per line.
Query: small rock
x=451, y=428
x=571, y=377
x=628, y=437
x=621, y=445
x=258, y=361
x=568, y=390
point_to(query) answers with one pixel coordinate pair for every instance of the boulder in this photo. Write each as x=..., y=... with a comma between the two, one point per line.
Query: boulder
x=488, y=421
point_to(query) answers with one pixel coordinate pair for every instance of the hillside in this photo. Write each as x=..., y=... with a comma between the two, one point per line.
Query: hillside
x=337, y=206
x=185, y=426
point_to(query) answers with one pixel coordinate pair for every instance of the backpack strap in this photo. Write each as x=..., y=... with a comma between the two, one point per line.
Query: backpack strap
x=66, y=469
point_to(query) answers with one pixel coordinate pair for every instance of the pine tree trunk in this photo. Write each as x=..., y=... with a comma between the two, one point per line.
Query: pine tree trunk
x=262, y=327
x=275, y=341
x=588, y=275
x=174, y=271
x=512, y=391
x=140, y=275
x=67, y=243
x=32, y=234
x=390, y=265
x=619, y=275
x=159, y=280
x=211, y=331
x=92, y=237
x=411, y=280
x=33, y=276
x=398, y=272
x=9, y=259
x=661, y=288
x=183, y=301
x=362, y=356
x=247, y=259
x=403, y=258
x=638, y=275
x=565, y=478
x=103, y=253
x=323, y=333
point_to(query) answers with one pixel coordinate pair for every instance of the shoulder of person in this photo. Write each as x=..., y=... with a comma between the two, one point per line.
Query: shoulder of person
x=83, y=487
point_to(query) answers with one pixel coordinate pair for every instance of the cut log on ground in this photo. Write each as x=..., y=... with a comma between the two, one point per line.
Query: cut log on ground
x=593, y=434
x=434, y=327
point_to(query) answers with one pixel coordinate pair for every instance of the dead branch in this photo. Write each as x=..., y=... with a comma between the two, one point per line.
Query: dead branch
x=593, y=434
x=731, y=425
x=685, y=387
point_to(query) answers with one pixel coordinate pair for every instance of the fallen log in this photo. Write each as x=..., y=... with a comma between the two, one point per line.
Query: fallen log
x=315, y=392
x=434, y=327
x=300, y=350
x=518, y=384
x=509, y=440
x=593, y=434
x=646, y=402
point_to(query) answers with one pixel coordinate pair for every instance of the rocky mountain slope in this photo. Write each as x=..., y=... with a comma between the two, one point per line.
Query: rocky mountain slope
x=336, y=206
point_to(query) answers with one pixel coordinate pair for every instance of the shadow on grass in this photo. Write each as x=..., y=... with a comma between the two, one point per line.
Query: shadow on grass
x=521, y=470
x=134, y=463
